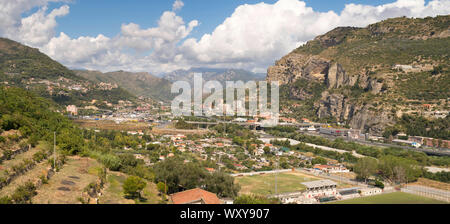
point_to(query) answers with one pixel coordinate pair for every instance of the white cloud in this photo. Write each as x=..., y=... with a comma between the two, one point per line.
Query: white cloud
x=38, y=28
x=162, y=40
x=105, y=53
x=77, y=51
x=253, y=37
x=177, y=5
x=262, y=33
x=34, y=29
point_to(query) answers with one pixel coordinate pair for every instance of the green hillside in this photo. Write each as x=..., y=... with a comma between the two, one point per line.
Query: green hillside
x=28, y=68
x=139, y=84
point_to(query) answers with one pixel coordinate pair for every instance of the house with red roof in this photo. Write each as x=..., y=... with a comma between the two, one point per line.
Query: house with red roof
x=194, y=196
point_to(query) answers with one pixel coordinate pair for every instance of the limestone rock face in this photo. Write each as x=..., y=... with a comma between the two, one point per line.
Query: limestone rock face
x=349, y=73
x=294, y=66
x=358, y=116
x=337, y=77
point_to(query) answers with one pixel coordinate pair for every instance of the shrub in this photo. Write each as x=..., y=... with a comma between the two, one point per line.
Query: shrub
x=111, y=162
x=133, y=186
x=379, y=184
x=24, y=193
x=7, y=154
x=39, y=156
x=5, y=200
x=161, y=187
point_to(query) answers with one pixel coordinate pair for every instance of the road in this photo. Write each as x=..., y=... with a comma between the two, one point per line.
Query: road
x=266, y=138
x=431, y=151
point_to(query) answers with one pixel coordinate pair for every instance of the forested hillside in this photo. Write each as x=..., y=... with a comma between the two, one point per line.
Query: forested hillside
x=28, y=68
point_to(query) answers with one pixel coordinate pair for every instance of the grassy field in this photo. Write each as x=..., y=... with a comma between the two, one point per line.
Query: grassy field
x=391, y=198
x=265, y=184
x=113, y=192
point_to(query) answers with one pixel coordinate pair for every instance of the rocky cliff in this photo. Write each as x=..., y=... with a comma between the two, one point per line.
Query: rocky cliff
x=365, y=72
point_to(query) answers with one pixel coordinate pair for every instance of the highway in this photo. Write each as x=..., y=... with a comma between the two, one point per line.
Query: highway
x=429, y=151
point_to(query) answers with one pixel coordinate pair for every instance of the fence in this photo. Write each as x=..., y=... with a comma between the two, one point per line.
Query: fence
x=429, y=192
x=261, y=172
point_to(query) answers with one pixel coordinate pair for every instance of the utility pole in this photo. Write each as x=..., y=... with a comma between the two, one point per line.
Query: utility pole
x=276, y=174
x=340, y=171
x=219, y=161
x=54, y=150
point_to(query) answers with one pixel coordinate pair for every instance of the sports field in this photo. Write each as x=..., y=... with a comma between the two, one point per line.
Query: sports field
x=391, y=198
x=265, y=184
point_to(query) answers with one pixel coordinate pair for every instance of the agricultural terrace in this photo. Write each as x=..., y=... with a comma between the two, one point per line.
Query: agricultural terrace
x=67, y=185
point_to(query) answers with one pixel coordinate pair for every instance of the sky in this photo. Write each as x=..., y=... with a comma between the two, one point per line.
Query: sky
x=160, y=36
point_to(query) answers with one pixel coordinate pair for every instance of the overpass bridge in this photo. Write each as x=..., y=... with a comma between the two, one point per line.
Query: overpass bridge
x=255, y=124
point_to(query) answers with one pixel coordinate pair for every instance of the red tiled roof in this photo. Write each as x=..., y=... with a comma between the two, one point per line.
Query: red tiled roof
x=194, y=195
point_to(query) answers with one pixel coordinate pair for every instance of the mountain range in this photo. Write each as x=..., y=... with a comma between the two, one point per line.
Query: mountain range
x=140, y=84
x=222, y=75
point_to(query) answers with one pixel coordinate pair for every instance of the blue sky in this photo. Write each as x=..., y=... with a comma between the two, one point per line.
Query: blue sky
x=153, y=36
x=91, y=17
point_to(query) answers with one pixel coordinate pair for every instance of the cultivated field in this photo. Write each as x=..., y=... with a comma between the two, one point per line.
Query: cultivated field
x=265, y=184
x=67, y=185
x=391, y=198
x=172, y=131
x=111, y=125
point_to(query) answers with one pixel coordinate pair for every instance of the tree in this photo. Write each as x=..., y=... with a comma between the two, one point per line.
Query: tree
x=400, y=170
x=222, y=184
x=437, y=70
x=379, y=184
x=365, y=168
x=266, y=150
x=133, y=186
x=179, y=176
x=161, y=187
x=152, y=147
x=319, y=160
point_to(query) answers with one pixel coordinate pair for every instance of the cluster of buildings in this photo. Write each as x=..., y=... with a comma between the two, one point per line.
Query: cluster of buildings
x=413, y=68
x=343, y=132
x=426, y=141
x=59, y=86
x=326, y=190
x=331, y=168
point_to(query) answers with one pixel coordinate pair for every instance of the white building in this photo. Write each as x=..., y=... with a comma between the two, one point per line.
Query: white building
x=370, y=191
x=72, y=109
x=320, y=188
